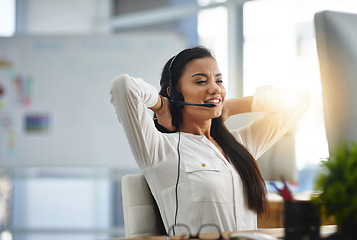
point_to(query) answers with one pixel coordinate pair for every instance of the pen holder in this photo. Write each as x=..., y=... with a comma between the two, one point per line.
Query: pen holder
x=301, y=220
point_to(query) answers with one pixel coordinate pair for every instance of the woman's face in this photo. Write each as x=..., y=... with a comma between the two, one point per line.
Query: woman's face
x=202, y=83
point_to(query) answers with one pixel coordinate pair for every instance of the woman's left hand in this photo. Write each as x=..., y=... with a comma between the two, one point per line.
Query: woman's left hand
x=236, y=106
x=225, y=110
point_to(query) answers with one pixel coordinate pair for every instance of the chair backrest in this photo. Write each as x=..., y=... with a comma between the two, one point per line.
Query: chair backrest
x=141, y=214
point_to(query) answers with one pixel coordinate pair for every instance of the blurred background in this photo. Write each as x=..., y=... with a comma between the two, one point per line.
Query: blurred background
x=62, y=150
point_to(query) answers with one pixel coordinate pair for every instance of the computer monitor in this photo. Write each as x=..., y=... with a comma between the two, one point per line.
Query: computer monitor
x=336, y=39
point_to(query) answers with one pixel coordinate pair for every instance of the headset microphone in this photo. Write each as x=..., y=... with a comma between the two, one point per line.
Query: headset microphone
x=182, y=103
x=177, y=98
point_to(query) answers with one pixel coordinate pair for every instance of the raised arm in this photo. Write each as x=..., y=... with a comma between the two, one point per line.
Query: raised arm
x=236, y=106
x=280, y=109
x=131, y=98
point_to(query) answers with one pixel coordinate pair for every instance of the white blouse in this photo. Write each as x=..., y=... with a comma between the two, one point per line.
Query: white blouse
x=210, y=189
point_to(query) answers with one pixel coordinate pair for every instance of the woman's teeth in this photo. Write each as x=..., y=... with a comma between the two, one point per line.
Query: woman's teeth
x=212, y=101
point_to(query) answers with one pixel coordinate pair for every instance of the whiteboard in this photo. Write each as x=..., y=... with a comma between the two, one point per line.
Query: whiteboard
x=64, y=83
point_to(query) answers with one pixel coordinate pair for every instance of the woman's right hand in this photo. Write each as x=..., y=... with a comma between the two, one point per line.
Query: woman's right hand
x=166, y=119
x=163, y=114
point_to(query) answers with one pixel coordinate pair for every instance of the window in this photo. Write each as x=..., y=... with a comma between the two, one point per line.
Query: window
x=213, y=33
x=280, y=50
x=7, y=18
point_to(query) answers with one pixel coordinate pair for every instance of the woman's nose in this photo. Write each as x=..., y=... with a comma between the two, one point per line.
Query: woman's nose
x=214, y=88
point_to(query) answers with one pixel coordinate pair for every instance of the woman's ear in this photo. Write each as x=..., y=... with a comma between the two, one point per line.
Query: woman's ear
x=168, y=91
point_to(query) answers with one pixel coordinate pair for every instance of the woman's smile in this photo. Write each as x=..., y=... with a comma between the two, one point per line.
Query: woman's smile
x=201, y=82
x=215, y=101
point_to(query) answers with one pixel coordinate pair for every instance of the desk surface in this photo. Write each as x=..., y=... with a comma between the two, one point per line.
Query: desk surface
x=275, y=232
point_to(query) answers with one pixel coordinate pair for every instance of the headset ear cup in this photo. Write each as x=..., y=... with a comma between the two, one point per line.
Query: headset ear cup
x=178, y=100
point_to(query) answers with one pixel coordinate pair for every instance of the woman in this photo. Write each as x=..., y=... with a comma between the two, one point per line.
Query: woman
x=197, y=170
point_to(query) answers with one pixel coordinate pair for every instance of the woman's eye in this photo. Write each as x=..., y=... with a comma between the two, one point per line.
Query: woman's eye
x=219, y=81
x=201, y=81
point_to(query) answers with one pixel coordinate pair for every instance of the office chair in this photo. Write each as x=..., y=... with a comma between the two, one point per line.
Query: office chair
x=141, y=214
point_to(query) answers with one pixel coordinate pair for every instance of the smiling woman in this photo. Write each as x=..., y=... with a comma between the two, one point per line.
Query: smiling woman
x=198, y=171
x=201, y=82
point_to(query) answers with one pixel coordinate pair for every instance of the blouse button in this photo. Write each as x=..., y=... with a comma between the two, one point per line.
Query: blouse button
x=203, y=165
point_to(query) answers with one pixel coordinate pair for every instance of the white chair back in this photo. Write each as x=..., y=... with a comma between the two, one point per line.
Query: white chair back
x=141, y=214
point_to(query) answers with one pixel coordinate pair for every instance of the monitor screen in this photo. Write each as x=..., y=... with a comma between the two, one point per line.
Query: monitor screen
x=336, y=39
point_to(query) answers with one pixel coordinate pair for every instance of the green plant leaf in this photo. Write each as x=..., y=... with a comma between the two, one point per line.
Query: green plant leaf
x=338, y=182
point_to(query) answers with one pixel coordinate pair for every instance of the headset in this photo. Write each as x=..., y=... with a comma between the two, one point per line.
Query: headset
x=176, y=98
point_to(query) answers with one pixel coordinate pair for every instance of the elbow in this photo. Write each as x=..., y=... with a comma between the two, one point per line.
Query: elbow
x=119, y=86
x=120, y=82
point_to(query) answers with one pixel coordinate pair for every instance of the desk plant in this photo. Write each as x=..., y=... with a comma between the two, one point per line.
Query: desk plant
x=338, y=182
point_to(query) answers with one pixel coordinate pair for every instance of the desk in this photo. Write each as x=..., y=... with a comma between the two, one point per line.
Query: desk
x=275, y=218
x=275, y=232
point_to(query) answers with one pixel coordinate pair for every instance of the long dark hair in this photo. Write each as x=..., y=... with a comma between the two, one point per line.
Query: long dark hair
x=242, y=160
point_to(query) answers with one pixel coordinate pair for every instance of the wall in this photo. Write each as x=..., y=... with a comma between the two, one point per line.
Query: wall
x=62, y=17
x=63, y=186
x=66, y=81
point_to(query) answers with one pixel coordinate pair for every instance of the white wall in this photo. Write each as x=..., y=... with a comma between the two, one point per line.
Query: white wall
x=69, y=80
x=51, y=17
x=41, y=202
